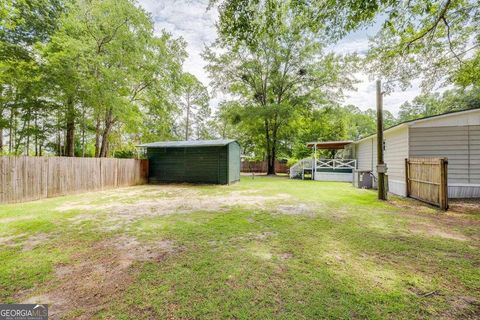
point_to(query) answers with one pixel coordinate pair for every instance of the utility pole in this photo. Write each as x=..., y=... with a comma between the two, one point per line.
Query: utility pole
x=381, y=167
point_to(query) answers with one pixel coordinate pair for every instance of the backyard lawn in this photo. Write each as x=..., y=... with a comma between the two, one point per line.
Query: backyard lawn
x=260, y=249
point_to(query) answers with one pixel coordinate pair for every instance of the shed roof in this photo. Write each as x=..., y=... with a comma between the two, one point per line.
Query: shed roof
x=186, y=144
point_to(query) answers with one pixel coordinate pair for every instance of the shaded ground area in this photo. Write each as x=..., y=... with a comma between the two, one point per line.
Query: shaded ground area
x=264, y=248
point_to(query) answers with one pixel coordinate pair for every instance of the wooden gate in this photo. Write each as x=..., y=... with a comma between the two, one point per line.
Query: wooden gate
x=426, y=180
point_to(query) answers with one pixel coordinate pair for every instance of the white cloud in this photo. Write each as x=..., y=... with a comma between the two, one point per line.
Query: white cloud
x=190, y=20
x=365, y=96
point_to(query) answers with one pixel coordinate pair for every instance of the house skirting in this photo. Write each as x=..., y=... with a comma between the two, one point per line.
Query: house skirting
x=463, y=190
x=397, y=187
x=334, y=176
x=455, y=190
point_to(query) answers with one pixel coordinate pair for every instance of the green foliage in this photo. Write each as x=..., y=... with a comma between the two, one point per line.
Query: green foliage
x=434, y=104
x=90, y=78
x=436, y=41
x=85, y=77
x=330, y=19
x=194, y=108
x=276, y=73
x=128, y=153
x=468, y=74
x=431, y=40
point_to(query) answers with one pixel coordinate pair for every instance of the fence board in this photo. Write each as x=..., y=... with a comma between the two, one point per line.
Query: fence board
x=426, y=180
x=261, y=166
x=31, y=178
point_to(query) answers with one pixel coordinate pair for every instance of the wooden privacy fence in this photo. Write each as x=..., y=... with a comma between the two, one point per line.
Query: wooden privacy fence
x=32, y=178
x=261, y=166
x=426, y=180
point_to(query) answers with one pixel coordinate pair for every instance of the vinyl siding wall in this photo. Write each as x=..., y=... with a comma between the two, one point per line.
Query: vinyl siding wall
x=474, y=138
x=366, y=154
x=455, y=136
x=396, y=150
x=461, y=145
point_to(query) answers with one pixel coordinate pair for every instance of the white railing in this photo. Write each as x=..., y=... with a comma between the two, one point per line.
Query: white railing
x=298, y=169
x=336, y=164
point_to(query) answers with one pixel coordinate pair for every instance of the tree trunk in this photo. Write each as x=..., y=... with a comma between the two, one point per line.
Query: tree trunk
x=83, y=131
x=59, y=142
x=97, y=138
x=59, y=135
x=188, y=120
x=271, y=160
x=1, y=130
x=70, y=135
x=27, y=126
x=10, y=131
x=270, y=150
x=106, y=133
x=36, y=134
x=104, y=147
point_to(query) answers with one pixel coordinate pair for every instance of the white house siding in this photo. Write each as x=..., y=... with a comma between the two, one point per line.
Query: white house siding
x=396, y=150
x=474, y=137
x=363, y=152
x=465, y=118
x=460, y=144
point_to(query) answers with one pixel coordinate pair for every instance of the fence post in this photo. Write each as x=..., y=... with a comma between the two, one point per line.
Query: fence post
x=407, y=178
x=443, y=194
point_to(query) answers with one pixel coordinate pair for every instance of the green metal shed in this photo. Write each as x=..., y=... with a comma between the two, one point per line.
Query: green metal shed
x=200, y=161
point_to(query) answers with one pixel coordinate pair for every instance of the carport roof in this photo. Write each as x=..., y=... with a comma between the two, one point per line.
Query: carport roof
x=186, y=144
x=329, y=145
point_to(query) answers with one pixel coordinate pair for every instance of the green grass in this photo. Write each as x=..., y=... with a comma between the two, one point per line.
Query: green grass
x=348, y=256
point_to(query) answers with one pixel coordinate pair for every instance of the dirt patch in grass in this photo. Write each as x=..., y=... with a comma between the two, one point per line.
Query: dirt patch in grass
x=16, y=218
x=10, y=240
x=286, y=256
x=295, y=209
x=459, y=209
x=119, y=214
x=436, y=231
x=97, y=277
x=412, y=205
x=429, y=220
x=27, y=243
x=462, y=307
x=264, y=235
x=465, y=206
x=35, y=240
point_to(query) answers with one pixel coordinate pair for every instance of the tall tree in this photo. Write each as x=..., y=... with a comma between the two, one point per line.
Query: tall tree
x=193, y=106
x=428, y=39
x=22, y=25
x=275, y=72
x=84, y=65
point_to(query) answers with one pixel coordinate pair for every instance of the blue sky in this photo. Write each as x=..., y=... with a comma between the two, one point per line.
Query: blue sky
x=190, y=20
